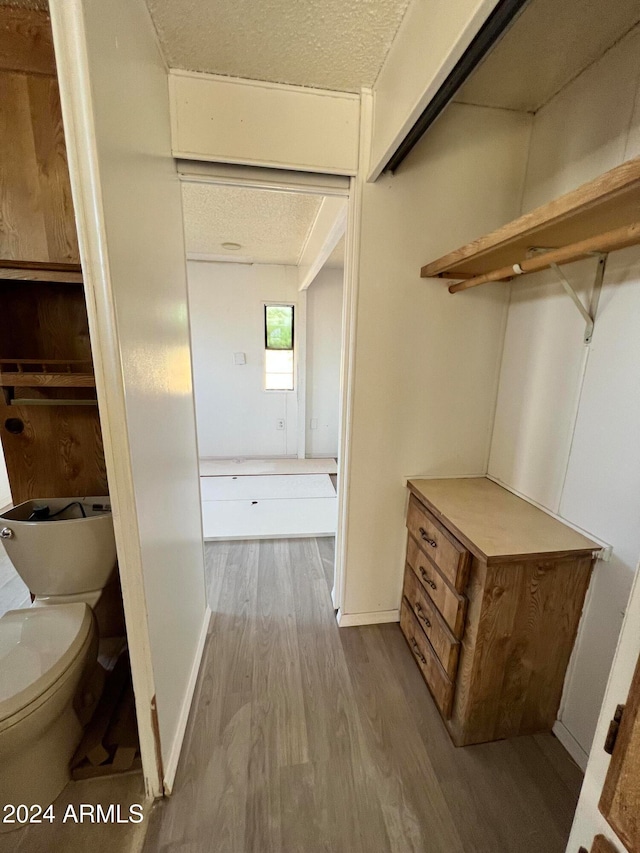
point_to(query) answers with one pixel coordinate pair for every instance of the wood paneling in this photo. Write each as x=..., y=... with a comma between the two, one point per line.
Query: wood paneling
x=51, y=449
x=26, y=41
x=620, y=800
x=57, y=453
x=37, y=222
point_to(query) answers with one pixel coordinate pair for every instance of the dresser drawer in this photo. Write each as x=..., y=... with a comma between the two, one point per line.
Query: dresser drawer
x=447, y=553
x=445, y=645
x=451, y=604
x=439, y=684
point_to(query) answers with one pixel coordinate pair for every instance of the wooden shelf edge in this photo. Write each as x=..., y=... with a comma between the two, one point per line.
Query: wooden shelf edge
x=47, y=380
x=66, y=273
x=605, y=188
x=621, y=238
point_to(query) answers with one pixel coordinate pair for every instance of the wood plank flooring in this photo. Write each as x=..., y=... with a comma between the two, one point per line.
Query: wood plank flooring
x=70, y=836
x=306, y=738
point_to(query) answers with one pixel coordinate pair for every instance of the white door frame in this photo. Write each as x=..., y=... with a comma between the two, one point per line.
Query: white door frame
x=280, y=180
x=77, y=109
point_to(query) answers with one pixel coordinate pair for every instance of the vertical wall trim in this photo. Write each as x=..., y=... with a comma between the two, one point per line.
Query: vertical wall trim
x=70, y=42
x=496, y=389
x=301, y=391
x=348, y=354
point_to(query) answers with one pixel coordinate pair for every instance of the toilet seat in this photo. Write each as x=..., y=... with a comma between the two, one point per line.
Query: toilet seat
x=37, y=646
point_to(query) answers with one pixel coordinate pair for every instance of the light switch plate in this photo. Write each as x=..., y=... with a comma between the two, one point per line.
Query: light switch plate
x=239, y=358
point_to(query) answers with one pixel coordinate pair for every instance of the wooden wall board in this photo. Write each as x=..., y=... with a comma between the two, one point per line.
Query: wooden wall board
x=620, y=800
x=26, y=41
x=600, y=845
x=610, y=201
x=58, y=453
x=43, y=320
x=496, y=524
x=38, y=221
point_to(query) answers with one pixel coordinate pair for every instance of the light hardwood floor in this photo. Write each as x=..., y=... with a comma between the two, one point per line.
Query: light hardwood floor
x=74, y=837
x=305, y=737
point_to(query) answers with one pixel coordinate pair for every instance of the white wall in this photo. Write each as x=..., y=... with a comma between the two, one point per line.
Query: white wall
x=588, y=821
x=235, y=415
x=426, y=362
x=128, y=205
x=432, y=37
x=5, y=491
x=257, y=123
x=324, y=340
x=568, y=416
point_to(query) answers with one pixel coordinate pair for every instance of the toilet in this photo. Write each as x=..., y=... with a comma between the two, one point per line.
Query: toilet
x=48, y=651
x=45, y=653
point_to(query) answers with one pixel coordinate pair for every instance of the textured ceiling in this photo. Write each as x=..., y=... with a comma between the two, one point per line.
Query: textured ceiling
x=328, y=44
x=549, y=44
x=271, y=227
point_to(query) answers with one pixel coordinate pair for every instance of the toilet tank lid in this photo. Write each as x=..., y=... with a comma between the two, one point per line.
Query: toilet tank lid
x=37, y=645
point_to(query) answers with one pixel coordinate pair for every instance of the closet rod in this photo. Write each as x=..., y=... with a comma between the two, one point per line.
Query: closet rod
x=619, y=238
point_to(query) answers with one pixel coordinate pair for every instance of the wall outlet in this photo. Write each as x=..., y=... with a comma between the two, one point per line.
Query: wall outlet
x=280, y=423
x=314, y=423
x=239, y=358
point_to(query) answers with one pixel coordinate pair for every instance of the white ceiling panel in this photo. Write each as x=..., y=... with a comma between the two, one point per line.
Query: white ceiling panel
x=336, y=258
x=328, y=44
x=271, y=227
x=549, y=44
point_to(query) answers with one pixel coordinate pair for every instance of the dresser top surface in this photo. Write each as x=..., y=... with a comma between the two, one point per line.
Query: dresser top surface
x=495, y=521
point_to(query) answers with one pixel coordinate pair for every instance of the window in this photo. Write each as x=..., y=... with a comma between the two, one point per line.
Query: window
x=278, y=344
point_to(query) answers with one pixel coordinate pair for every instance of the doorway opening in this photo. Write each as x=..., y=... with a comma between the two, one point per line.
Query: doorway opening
x=268, y=303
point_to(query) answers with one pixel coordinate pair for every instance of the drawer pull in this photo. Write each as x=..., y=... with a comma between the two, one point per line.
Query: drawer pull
x=421, y=615
x=427, y=579
x=416, y=650
x=425, y=536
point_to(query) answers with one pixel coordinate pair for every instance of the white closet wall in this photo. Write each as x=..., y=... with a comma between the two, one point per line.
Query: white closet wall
x=426, y=362
x=235, y=415
x=568, y=416
x=5, y=491
x=324, y=326
x=127, y=199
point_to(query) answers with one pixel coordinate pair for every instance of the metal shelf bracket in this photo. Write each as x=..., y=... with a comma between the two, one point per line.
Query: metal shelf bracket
x=588, y=314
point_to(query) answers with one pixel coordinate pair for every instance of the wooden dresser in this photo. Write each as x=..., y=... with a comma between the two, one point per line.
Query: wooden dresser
x=493, y=593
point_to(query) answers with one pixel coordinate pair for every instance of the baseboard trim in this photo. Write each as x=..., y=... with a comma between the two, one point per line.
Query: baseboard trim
x=376, y=617
x=172, y=763
x=571, y=745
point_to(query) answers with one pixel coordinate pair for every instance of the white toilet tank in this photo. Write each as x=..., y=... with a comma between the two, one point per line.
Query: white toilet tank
x=69, y=554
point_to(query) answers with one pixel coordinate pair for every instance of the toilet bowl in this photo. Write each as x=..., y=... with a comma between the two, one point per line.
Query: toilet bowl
x=46, y=656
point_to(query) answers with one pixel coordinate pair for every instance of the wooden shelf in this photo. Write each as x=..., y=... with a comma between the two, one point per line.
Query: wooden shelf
x=40, y=271
x=599, y=216
x=51, y=373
